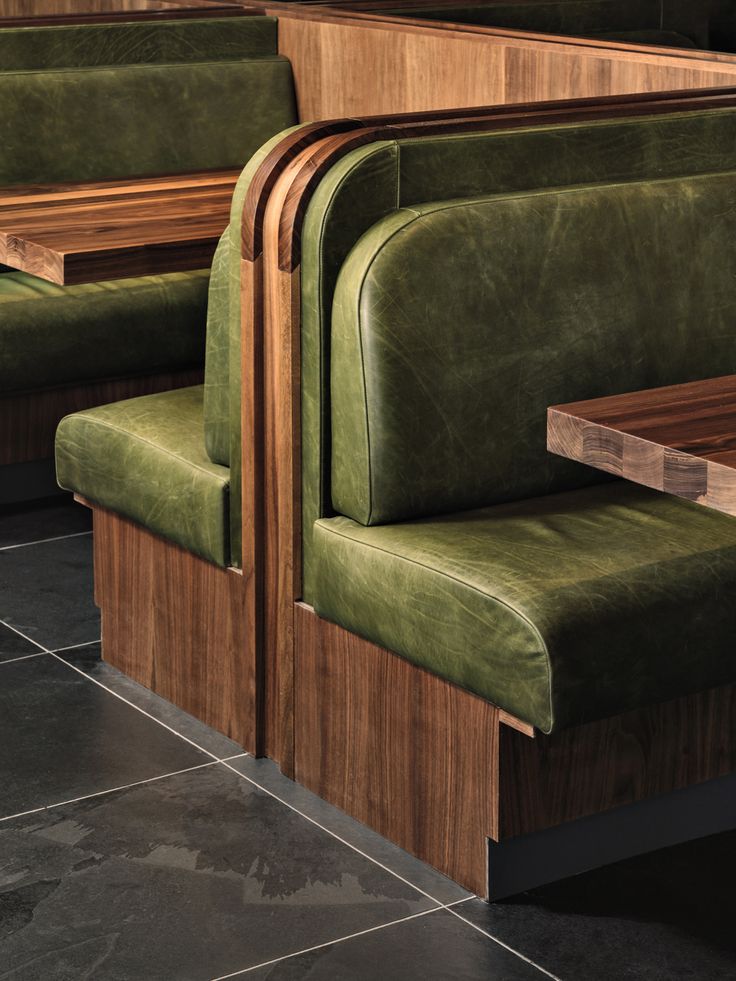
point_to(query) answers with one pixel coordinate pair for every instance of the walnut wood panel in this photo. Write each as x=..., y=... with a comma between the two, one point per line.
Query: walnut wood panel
x=680, y=439
x=28, y=420
x=176, y=624
x=401, y=750
x=593, y=768
x=87, y=232
x=348, y=66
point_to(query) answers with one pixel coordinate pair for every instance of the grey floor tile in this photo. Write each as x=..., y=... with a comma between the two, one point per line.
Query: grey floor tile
x=13, y=646
x=46, y=591
x=435, y=947
x=87, y=659
x=188, y=877
x=267, y=775
x=666, y=916
x=31, y=522
x=61, y=737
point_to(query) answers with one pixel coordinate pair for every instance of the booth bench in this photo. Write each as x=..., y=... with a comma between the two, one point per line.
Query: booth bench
x=114, y=101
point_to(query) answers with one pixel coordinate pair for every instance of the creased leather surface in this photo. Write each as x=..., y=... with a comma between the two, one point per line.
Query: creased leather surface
x=437, y=168
x=564, y=609
x=142, y=42
x=54, y=335
x=217, y=361
x=88, y=124
x=455, y=325
x=145, y=458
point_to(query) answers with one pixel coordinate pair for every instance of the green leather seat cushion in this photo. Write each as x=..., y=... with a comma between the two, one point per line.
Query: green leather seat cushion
x=145, y=458
x=56, y=335
x=561, y=609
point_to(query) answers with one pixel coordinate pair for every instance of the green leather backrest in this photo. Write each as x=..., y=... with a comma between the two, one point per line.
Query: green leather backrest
x=87, y=124
x=371, y=182
x=456, y=325
x=643, y=21
x=136, y=43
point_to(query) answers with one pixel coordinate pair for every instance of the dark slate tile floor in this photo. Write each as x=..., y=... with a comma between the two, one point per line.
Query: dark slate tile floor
x=136, y=843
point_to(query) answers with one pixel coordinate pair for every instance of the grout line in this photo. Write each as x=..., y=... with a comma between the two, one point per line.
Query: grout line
x=333, y=834
x=110, y=790
x=511, y=950
x=73, y=647
x=43, y=541
x=44, y=650
x=23, y=657
x=340, y=940
x=94, y=681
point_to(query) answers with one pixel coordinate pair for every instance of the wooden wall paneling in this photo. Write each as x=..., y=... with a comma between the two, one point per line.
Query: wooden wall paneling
x=350, y=66
x=28, y=420
x=175, y=623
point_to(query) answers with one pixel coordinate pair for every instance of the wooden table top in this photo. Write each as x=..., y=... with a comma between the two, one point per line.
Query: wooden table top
x=680, y=439
x=82, y=233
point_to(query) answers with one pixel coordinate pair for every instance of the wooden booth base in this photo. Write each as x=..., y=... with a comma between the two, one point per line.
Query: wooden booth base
x=176, y=624
x=448, y=776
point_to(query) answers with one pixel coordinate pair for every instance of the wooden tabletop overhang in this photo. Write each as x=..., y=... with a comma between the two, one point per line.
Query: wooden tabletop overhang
x=680, y=439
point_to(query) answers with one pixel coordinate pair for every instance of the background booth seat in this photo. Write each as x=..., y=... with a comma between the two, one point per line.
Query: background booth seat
x=85, y=124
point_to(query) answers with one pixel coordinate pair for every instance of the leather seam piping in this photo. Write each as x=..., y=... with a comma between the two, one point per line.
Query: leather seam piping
x=461, y=582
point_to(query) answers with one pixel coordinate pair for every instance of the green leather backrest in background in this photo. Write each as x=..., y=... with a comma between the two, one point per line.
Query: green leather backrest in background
x=456, y=325
x=371, y=182
x=636, y=21
x=88, y=124
x=135, y=43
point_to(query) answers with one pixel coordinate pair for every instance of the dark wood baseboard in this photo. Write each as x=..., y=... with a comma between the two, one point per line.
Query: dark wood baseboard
x=28, y=420
x=441, y=772
x=176, y=624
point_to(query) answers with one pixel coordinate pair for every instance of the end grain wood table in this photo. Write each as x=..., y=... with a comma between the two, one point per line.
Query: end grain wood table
x=680, y=439
x=81, y=233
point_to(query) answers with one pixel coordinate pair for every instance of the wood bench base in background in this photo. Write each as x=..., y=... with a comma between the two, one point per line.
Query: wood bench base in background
x=176, y=624
x=444, y=773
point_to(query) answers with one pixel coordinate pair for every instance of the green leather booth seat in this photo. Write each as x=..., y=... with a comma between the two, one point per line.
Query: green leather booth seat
x=56, y=335
x=136, y=43
x=145, y=458
x=561, y=609
x=458, y=541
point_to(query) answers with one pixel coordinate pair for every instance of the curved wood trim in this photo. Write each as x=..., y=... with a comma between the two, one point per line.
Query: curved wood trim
x=332, y=148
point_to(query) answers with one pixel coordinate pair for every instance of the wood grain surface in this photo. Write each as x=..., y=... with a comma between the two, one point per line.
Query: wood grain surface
x=176, y=624
x=354, y=65
x=79, y=233
x=410, y=755
x=680, y=439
